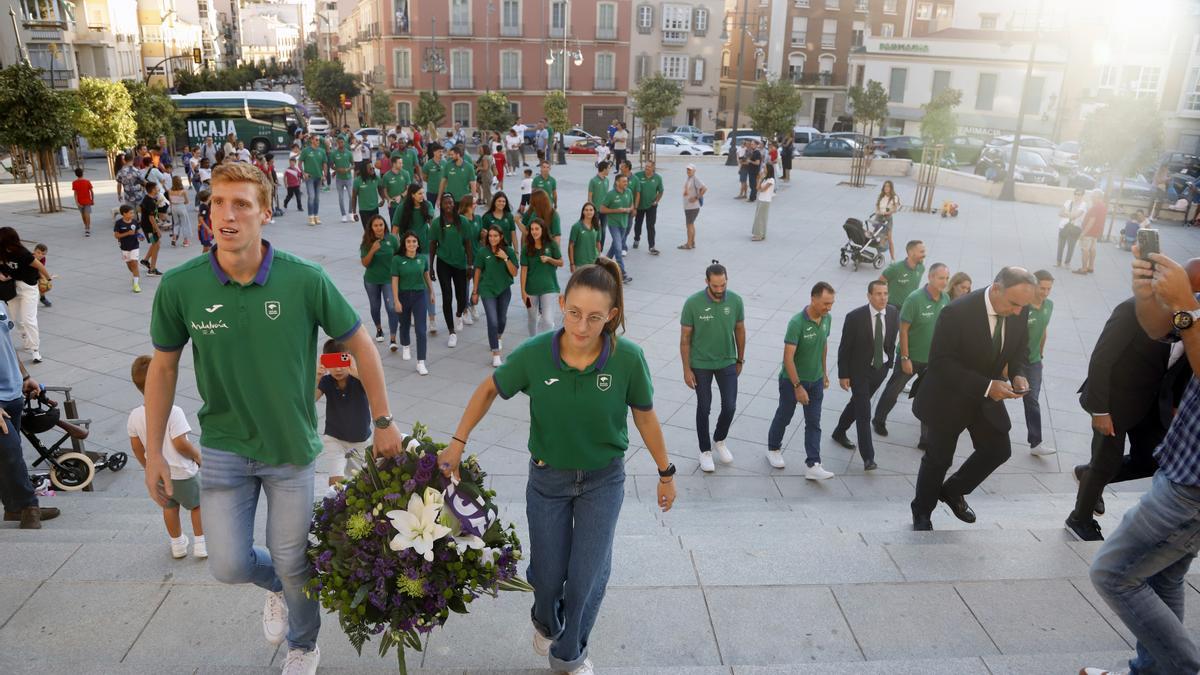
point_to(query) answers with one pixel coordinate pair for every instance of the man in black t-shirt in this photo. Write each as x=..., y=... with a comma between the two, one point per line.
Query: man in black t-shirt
x=753, y=167
x=149, y=214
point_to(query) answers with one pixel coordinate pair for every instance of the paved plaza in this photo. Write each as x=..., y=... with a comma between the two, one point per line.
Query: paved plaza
x=755, y=572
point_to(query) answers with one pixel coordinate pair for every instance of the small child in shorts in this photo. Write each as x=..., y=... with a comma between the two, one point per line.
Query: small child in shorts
x=181, y=456
x=125, y=230
x=347, y=415
x=44, y=285
x=204, y=219
x=526, y=190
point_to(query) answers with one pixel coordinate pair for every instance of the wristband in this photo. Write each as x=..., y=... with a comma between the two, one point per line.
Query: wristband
x=456, y=438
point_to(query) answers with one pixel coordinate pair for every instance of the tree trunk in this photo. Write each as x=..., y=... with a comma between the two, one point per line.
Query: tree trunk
x=45, y=177
x=111, y=158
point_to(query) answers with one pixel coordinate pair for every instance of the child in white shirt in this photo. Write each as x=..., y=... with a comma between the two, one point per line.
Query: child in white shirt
x=526, y=190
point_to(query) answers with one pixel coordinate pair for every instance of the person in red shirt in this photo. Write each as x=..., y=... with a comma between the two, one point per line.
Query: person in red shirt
x=85, y=197
x=1093, y=227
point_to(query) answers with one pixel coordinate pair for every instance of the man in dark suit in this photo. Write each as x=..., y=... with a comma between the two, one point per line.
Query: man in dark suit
x=1132, y=386
x=864, y=359
x=977, y=337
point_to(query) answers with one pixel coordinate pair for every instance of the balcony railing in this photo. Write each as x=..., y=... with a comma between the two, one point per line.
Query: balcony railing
x=510, y=31
x=461, y=82
x=462, y=28
x=510, y=81
x=606, y=32
x=674, y=37
x=403, y=82
x=557, y=31
x=606, y=84
x=813, y=79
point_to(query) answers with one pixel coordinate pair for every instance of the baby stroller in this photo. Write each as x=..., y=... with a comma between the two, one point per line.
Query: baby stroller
x=866, y=243
x=70, y=468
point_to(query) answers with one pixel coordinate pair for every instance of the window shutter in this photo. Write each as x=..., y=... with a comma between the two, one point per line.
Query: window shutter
x=700, y=21
x=698, y=70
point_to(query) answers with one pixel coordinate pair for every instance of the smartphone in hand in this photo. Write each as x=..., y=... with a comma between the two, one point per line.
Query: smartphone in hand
x=339, y=360
x=1147, y=241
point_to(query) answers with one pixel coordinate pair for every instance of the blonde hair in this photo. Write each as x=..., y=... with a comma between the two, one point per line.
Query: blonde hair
x=241, y=172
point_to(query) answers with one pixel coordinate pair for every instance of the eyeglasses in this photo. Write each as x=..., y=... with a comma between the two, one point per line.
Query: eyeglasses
x=594, y=320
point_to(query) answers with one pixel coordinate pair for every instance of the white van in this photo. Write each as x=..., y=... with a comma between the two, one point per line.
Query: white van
x=804, y=135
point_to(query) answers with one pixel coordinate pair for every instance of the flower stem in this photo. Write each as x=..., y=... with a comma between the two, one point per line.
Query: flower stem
x=400, y=662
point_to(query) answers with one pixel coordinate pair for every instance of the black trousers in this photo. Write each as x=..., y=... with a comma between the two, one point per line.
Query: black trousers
x=892, y=390
x=293, y=192
x=1110, y=464
x=649, y=215
x=858, y=411
x=752, y=180
x=448, y=276
x=992, y=449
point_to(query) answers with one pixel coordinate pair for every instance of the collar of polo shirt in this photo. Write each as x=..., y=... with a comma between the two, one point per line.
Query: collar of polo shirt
x=264, y=270
x=605, y=351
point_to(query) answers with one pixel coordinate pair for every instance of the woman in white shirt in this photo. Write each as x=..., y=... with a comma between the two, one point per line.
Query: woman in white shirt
x=885, y=205
x=766, y=192
x=512, y=151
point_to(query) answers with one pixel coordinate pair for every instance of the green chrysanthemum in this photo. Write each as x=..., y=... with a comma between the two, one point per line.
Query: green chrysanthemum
x=357, y=526
x=411, y=587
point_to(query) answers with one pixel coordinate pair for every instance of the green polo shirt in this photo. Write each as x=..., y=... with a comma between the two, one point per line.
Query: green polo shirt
x=254, y=350
x=452, y=241
x=618, y=200
x=712, y=324
x=505, y=222
x=380, y=269
x=410, y=271
x=548, y=185
x=396, y=182
x=555, y=222
x=649, y=188
x=810, y=338
x=411, y=160
x=368, y=193
x=458, y=178
x=585, y=240
x=633, y=182
x=343, y=162
x=578, y=419
x=541, y=278
x=312, y=159
x=597, y=190
x=920, y=311
x=1039, y=319
x=494, y=277
x=418, y=226
x=433, y=170
x=902, y=280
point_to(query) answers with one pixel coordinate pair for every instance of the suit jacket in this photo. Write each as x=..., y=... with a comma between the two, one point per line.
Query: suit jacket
x=1128, y=376
x=857, y=346
x=961, y=364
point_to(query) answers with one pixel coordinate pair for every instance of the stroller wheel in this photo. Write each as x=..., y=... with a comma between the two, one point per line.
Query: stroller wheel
x=878, y=263
x=76, y=473
x=843, y=259
x=117, y=461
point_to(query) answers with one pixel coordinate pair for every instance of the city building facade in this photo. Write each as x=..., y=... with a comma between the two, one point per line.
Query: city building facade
x=170, y=32
x=682, y=41
x=88, y=38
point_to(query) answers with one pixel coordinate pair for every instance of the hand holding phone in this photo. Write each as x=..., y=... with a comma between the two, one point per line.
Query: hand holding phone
x=1147, y=240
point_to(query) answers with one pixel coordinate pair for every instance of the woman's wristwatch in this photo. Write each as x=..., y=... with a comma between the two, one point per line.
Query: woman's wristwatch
x=667, y=472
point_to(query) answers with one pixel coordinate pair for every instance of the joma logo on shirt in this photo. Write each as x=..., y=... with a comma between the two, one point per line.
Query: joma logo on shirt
x=209, y=327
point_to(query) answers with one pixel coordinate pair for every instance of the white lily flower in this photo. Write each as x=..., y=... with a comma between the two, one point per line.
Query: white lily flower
x=433, y=497
x=417, y=527
x=469, y=541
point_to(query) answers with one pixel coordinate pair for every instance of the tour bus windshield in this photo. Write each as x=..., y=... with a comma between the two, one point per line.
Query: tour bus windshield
x=263, y=120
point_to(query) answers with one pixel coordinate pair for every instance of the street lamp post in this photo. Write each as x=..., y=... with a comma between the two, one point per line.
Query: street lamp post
x=731, y=160
x=433, y=63
x=1008, y=192
x=563, y=54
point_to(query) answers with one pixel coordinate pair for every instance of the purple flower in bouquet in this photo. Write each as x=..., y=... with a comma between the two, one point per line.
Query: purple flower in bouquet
x=428, y=461
x=410, y=485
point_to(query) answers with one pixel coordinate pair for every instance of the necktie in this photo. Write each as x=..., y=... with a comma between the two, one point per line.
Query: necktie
x=877, y=360
x=998, y=335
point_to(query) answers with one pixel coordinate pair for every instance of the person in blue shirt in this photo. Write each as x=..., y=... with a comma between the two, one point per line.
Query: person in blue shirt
x=16, y=490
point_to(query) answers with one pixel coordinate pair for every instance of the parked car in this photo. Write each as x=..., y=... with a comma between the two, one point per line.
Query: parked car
x=1136, y=188
x=318, y=125
x=1031, y=167
x=678, y=145
x=746, y=136
x=371, y=136
x=966, y=148
x=1066, y=155
x=802, y=136
x=1035, y=144
x=830, y=147
x=577, y=134
x=687, y=131
x=708, y=141
x=583, y=146
x=1181, y=162
x=901, y=147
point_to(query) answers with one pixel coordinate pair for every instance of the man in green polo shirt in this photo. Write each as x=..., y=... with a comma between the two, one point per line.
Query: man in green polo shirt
x=597, y=191
x=412, y=160
x=251, y=313
x=1039, y=320
x=918, y=317
x=904, y=276
x=617, y=206
x=546, y=183
x=434, y=170
x=712, y=345
x=458, y=177
x=625, y=168
x=395, y=181
x=312, y=162
x=343, y=176
x=803, y=378
x=649, y=192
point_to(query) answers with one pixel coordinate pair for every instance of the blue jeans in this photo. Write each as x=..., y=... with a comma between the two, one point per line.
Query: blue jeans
x=344, y=186
x=16, y=490
x=496, y=310
x=1140, y=573
x=412, y=313
x=229, y=490
x=1033, y=410
x=382, y=294
x=616, y=241
x=572, y=519
x=812, y=418
x=727, y=381
x=312, y=188
x=429, y=308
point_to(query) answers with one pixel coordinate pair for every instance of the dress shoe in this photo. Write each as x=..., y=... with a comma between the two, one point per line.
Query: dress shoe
x=870, y=465
x=923, y=446
x=922, y=523
x=31, y=517
x=880, y=427
x=1085, y=530
x=958, y=505
x=1098, y=509
x=842, y=440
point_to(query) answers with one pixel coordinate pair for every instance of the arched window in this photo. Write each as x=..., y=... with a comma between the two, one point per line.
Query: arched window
x=825, y=68
x=796, y=67
x=725, y=67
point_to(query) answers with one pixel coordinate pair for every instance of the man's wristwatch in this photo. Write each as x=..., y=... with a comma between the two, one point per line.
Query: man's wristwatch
x=1185, y=319
x=903, y=357
x=383, y=422
x=667, y=472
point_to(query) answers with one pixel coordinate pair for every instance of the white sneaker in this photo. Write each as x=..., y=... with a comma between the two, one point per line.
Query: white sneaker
x=275, y=618
x=421, y=369
x=585, y=668
x=199, y=547
x=496, y=362
x=775, y=459
x=817, y=472
x=466, y=319
x=458, y=323
x=453, y=341
x=179, y=547
x=302, y=662
x=541, y=644
x=723, y=453
x=405, y=353
x=37, y=356
x=393, y=346
x=1042, y=451
x=475, y=311
x=345, y=219
x=706, y=462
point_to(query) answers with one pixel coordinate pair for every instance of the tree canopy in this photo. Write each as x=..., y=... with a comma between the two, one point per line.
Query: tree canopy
x=1123, y=136
x=655, y=99
x=104, y=115
x=555, y=108
x=382, y=113
x=430, y=110
x=154, y=112
x=495, y=113
x=939, y=122
x=774, y=109
x=35, y=116
x=870, y=105
x=326, y=81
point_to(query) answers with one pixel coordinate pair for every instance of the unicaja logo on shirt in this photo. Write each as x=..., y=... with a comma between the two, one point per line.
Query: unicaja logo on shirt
x=603, y=381
x=272, y=308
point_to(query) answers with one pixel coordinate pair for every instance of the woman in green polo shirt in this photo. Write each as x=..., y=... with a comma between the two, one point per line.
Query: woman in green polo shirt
x=377, y=248
x=499, y=213
x=411, y=286
x=584, y=244
x=577, y=470
x=365, y=196
x=451, y=244
x=466, y=208
x=540, y=260
x=541, y=208
x=494, y=272
x=414, y=215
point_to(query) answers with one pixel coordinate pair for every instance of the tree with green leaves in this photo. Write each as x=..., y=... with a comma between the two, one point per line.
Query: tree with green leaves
x=104, y=116
x=1122, y=138
x=774, y=109
x=495, y=113
x=36, y=121
x=655, y=99
x=870, y=106
x=326, y=82
x=429, y=113
x=382, y=113
x=555, y=108
x=939, y=123
x=154, y=112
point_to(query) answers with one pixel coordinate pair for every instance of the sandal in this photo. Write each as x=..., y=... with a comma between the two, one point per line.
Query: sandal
x=683, y=247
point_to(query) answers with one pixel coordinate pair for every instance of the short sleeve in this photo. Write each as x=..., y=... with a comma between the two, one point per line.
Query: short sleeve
x=513, y=375
x=640, y=392
x=792, y=336
x=686, y=317
x=168, y=330
x=556, y=226
x=131, y=425
x=177, y=424
x=908, y=309
x=741, y=310
x=333, y=313
x=574, y=238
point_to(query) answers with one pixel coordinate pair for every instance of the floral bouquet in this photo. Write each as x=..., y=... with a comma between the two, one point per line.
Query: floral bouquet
x=399, y=546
